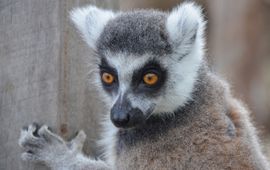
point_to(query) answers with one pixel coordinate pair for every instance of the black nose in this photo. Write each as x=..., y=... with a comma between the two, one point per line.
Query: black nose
x=120, y=119
x=120, y=113
x=127, y=118
x=124, y=115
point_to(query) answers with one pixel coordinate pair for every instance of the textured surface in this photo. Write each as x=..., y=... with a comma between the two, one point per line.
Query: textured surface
x=42, y=74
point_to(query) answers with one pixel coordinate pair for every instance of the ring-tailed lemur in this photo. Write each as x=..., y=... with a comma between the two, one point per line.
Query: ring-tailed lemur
x=168, y=111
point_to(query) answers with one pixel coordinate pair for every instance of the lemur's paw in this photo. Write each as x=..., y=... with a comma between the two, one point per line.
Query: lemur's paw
x=77, y=142
x=42, y=145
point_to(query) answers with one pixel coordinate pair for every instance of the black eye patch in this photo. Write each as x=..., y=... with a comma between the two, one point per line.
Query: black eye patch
x=138, y=84
x=104, y=67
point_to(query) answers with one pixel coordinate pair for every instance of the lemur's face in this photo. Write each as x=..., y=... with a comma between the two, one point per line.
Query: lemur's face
x=134, y=85
x=147, y=60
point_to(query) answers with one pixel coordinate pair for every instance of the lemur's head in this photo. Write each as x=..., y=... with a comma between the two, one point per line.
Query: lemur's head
x=147, y=60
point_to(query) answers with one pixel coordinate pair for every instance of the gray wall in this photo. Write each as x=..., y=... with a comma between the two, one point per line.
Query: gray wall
x=43, y=74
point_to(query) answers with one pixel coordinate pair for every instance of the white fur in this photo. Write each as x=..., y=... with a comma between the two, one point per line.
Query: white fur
x=108, y=140
x=182, y=24
x=90, y=21
x=182, y=77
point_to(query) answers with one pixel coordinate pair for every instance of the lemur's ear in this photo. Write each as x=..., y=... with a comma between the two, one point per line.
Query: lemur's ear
x=185, y=26
x=90, y=21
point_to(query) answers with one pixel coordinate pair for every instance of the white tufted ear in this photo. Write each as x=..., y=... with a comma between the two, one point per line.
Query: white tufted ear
x=185, y=25
x=90, y=21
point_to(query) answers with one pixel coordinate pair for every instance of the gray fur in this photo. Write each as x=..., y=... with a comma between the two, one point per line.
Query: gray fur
x=195, y=123
x=136, y=32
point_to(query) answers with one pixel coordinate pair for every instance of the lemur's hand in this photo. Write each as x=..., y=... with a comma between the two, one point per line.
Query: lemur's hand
x=42, y=145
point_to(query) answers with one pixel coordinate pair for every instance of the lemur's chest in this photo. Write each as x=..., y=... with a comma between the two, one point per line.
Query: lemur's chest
x=150, y=149
x=176, y=147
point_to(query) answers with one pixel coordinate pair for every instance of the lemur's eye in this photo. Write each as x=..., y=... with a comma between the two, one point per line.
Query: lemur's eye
x=150, y=79
x=107, y=78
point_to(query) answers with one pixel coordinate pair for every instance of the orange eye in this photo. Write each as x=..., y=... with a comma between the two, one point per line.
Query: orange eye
x=107, y=78
x=150, y=79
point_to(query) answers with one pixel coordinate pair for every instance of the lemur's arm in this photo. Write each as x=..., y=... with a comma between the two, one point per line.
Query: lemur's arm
x=43, y=146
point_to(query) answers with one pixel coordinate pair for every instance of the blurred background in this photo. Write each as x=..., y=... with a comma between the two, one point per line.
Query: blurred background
x=43, y=66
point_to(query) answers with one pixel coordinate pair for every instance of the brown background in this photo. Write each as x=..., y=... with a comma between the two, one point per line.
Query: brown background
x=43, y=65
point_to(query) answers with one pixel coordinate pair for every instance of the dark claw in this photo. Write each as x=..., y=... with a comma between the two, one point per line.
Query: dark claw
x=50, y=129
x=74, y=135
x=37, y=128
x=31, y=152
